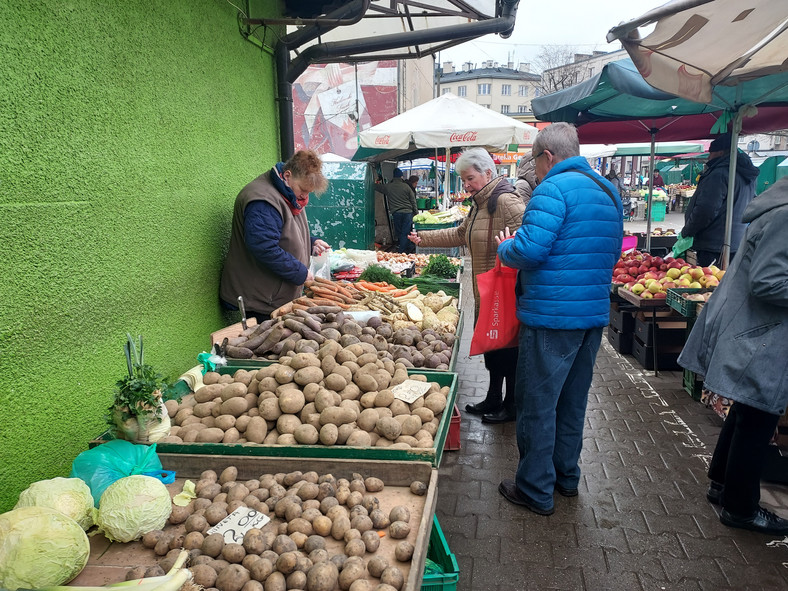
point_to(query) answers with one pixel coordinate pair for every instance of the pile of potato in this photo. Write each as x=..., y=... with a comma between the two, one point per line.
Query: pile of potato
x=336, y=396
x=305, y=331
x=321, y=531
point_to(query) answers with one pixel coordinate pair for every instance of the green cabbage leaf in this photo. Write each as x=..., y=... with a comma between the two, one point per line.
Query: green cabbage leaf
x=133, y=506
x=70, y=496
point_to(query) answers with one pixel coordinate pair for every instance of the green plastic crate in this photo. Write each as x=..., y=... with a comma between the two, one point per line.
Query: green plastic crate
x=693, y=385
x=682, y=305
x=438, y=551
x=432, y=455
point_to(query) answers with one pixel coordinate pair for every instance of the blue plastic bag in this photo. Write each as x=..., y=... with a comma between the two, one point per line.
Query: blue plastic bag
x=104, y=464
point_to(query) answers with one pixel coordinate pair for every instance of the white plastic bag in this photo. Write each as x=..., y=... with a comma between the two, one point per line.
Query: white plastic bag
x=320, y=265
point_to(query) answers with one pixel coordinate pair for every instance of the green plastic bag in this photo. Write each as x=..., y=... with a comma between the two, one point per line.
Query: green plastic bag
x=681, y=246
x=104, y=464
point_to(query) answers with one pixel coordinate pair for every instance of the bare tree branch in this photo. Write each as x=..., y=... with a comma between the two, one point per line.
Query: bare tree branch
x=556, y=64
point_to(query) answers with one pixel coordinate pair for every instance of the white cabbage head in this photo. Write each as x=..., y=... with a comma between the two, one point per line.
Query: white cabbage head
x=70, y=496
x=40, y=547
x=132, y=507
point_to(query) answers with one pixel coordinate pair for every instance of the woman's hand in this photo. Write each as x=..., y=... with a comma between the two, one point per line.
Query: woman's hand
x=319, y=247
x=504, y=234
x=310, y=276
x=414, y=238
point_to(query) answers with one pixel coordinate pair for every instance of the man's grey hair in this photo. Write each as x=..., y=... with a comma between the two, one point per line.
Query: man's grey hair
x=560, y=139
x=478, y=159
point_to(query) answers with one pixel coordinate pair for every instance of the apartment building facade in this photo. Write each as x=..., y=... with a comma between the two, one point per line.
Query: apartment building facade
x=503, y=89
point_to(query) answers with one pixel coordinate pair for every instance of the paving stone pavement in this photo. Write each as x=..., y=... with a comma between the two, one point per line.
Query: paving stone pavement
x=641, y=520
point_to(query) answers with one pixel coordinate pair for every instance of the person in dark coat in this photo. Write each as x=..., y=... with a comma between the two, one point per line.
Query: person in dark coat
x=738, y=344
x=658, y=180
x=270, y=245
x=526, y=177
x=402, y=205
x=704, y=219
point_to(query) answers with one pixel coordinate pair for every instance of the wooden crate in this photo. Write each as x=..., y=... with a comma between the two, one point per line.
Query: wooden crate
x=110, y=561
x=231, y=331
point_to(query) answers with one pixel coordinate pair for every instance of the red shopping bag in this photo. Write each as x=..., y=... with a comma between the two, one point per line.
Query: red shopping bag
x=497, y=326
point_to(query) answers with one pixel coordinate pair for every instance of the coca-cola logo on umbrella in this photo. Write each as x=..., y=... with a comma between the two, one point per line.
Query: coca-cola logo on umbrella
x=468, y=136
x=382, y=140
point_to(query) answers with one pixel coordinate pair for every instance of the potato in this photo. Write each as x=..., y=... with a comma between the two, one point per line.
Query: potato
x=355, y=547
x=252, y=585
x=212, y=545
x=376, y=566
x=400, y=513
x=256, y=430
x=208, y=392
x=292, y=401
x=269, y=409
x=339, y=527
x=215, y=513
x=389, y=428
x=231, y=435
x=203, y=575
x=233, y=553
x=404, y=551
x=322, y=525
x=284, y=374
x=399, y=530
x=323, y=576
x=361, y=522
x=359, y=438
x=286, y=563
x=275, y=582
x=373, y=484
x=351, y=572
x=232, y=578
x=287, y=424
x=179, y=514
x=308, y=375
x=210, y=435
x=283, y=543
x=260, y=569
x=233, y=390
x=234, y=406
x=435, y=402
x=371, y=540
x=335, y=382
x=336, y=415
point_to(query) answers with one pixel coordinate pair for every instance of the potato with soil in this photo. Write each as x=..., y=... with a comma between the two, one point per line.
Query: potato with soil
x=323, y=576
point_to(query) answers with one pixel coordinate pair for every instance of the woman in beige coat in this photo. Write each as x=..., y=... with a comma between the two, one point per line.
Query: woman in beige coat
x=495, y=206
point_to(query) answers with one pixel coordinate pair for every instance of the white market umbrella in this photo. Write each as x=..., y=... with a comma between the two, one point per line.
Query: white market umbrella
x=448, y=121
x=730, y=53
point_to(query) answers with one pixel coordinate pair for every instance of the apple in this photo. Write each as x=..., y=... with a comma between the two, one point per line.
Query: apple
x=674, y=265
x=686, y=276
x=657, y=261
x=719, y=274
x=650, y=275
x=629, y=285
x=663, y=267
x=673, y=273
x=696, y=273
x=695, y=285
x=707, y=270
x=643, y=269
x=682, y=282
x=638, y=288
x=660, y=295
x=634, y=271
x=625, y=278
x=655, y=287
x=712, y=281
x=713, y=269
x=647, y=295
x=669, y=285
x=685, y=268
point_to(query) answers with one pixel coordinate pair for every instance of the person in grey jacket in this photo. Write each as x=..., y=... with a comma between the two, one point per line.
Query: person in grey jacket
x=738, y=344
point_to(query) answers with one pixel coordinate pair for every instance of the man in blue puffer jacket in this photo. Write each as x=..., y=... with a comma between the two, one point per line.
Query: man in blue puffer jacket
x=565, y=249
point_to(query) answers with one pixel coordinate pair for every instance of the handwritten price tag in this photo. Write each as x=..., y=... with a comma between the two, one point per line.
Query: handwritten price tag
x=410, y=390
x=236, y=524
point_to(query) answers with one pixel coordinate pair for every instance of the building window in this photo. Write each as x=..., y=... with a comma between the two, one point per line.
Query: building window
x=462, y=90
x=445, y=90
x=483, y=89
x=537, y=92
x=506, y=89
x=505, y=109
x=590, y=72
x=522, y=108
x=523, y=90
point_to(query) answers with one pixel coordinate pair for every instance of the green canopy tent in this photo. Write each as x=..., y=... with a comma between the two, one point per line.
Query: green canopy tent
x=618, y=105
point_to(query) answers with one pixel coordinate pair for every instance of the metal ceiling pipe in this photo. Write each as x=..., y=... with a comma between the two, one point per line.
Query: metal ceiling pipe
x=337, y=50
x=335, y=19
x=350, y=13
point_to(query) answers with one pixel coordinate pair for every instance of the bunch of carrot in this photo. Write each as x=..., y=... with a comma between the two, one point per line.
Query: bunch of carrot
x=383, y=287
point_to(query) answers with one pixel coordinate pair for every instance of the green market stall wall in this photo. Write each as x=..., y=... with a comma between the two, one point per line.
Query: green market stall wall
x=128, y=130
x=344, y=216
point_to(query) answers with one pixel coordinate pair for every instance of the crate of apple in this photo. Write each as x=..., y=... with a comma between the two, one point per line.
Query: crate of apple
x=650, y=277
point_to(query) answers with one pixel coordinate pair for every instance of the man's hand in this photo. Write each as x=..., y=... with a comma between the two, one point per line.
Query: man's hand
x=319, y=247
x=504, y=234
x=310, y=276
x=414, y=238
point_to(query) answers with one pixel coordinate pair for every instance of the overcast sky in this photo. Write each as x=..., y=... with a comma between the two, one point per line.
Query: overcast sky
x=582, y=24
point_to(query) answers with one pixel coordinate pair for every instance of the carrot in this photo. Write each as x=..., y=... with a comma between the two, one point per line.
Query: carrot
x=398, y=292
x=325, y=281
x=304, y=301
x=282, y=310
x=300, y=307
x=343, y=291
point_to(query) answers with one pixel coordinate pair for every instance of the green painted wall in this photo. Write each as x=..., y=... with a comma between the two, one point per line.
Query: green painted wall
x=126, y=131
